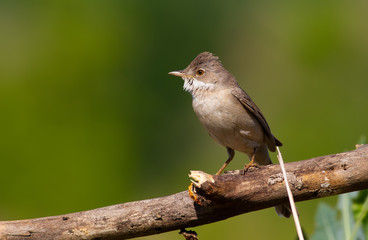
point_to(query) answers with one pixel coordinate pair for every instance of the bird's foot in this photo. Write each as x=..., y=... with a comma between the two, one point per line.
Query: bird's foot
x=249, y=165
x=188, y=234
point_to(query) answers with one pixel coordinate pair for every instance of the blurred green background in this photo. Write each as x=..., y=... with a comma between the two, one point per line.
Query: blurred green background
x=90, y=117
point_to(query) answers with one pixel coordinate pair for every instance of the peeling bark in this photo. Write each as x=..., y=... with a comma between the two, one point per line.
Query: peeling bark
x=222, y=196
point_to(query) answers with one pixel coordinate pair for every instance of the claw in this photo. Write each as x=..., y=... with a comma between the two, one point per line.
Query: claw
x=249, y=165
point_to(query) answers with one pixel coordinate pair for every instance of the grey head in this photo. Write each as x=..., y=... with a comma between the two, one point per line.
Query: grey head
x=205, y=73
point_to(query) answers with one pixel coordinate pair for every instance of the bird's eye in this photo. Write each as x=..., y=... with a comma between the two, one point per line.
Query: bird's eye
x=200, y=72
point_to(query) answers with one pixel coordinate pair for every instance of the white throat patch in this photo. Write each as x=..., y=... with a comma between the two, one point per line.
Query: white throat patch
x=192, y=85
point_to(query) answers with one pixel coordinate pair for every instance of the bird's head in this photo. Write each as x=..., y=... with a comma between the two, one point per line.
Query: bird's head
x=204, y=73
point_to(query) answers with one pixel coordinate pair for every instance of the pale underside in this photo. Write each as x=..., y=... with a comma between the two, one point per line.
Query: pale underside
x=226, y=120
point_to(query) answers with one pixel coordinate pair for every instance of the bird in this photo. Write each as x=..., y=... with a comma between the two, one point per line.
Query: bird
x=228, y=114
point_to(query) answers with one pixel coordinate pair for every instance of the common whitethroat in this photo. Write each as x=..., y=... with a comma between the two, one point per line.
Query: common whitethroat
x=229, y=115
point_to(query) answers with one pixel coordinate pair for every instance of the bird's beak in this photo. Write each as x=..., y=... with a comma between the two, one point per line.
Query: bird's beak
x=179, y=74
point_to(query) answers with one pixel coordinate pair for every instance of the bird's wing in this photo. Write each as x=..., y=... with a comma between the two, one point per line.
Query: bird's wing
x=248, y=104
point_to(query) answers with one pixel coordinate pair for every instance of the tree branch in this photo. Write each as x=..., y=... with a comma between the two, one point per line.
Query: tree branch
x=222, y=197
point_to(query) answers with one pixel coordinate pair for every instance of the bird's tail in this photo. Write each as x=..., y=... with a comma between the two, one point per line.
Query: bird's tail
x=262, y=157
x=283, y=210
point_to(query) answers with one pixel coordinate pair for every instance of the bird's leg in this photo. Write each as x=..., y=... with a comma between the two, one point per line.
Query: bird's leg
x=251, y=163
x=230, y=153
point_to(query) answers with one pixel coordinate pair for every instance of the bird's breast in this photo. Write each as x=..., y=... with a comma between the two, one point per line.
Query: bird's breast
x=227, y=121
x=220, y=108
x=213, y=108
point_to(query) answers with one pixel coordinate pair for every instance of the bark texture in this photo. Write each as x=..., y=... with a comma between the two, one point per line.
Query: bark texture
x=220, y=196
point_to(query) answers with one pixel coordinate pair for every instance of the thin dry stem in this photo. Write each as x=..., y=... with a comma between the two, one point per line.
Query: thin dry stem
x=290, y=195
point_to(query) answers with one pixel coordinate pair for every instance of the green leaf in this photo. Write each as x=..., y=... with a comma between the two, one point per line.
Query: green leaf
x=344, y=204
x=347, y=221
x=360, y=210
x=328, y=227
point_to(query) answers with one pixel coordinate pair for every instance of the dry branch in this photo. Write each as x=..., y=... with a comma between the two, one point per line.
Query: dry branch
x=223, y=196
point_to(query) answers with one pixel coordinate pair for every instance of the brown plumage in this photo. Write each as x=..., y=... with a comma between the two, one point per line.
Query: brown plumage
x=229, y=115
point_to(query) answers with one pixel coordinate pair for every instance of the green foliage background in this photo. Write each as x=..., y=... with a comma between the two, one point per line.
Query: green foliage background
x=89, y=116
